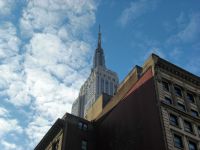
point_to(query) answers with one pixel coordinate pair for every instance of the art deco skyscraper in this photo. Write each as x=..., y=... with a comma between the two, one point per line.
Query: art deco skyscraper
x=101, y=80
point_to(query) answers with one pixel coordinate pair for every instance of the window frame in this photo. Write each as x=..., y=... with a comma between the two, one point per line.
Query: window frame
x=198, y=130
x=82, y=126
x=176, y=87
x=188, y=126
x=172, y=122
x=193, y=142
x=167, y=100
x=194, y=111
x=181, y=106
x=84, y=144
x=165, y=85
x=55, y=145
x=181, y=141
x=188, y=97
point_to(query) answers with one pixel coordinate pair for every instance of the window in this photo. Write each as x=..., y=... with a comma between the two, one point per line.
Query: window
x=178, y=141
x=178, y=91
x=173, y=120
x=106, y=87
x=98, y=83
x=192, y=145
x=198, y=129
x=111, y=88
x=85, y=127
x=194, y=113
x=55, y=145
x=181, y=106
x=115, y=88
x=80, y=124
x=188, y=126
x=165, y=85
x=167, y=100
x=190, y=97
x=102, y=85
x=83, y=145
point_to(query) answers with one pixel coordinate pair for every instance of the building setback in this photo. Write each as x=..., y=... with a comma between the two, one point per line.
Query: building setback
x=156, y=107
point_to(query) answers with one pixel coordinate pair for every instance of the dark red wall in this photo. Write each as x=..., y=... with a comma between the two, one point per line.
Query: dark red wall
x=134, y=124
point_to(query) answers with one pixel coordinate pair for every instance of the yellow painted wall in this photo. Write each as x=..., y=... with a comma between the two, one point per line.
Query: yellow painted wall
x=95, y=110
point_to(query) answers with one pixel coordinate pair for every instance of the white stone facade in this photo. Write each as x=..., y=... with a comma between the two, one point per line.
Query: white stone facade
x=101, y=80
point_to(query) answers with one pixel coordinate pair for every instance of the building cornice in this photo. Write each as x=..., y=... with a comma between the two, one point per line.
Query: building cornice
x=57, y=126
x=177, y=71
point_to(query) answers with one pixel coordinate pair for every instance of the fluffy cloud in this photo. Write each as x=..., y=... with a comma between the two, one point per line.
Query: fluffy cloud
x=9, y=43
x=77, y=16
x=56, y=59
x=8, y=146
x=12, y=85
x=44, y=73
x=135, y=10
x=6, y=6
x=8, y=126
x=3, y=111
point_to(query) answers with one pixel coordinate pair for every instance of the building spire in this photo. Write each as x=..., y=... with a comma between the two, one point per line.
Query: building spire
x=99, y=37
x=99, y=59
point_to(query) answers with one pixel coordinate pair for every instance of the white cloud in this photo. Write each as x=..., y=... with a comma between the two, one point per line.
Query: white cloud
x=3, y=112
x=189, y=31
x=56, y=58
x=11, y=71
x=39, y=127
x=77, y=15
x=9, y=43
x=44, y=74
x=10, y=146
x=135, y=10
x=8, y=126
x=6, y=7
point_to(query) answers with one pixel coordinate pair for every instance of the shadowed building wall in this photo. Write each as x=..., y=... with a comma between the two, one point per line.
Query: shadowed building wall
x=128, y=126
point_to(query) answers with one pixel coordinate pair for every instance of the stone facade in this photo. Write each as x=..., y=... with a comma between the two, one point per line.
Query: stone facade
x=178, y=93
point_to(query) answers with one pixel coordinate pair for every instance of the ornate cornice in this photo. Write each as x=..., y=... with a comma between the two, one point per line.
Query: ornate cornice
x=177, y=71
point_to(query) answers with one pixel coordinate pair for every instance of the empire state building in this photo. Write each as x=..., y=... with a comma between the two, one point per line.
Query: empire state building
x=101, y=80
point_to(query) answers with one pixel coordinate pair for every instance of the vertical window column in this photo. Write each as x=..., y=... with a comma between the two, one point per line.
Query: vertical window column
x=102, y=85
x=111, y=88
x=97, y=85
x=171, y=86
x=198, y=102
x=106, y=82
x=186, y=101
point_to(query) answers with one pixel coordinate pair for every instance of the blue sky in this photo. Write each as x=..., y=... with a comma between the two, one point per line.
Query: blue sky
x=46, y=50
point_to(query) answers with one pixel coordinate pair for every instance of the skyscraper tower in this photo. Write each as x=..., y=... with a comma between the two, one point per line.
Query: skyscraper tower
x=101, y=80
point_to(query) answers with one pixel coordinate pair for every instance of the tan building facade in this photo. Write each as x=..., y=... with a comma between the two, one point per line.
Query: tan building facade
x=179, y=92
